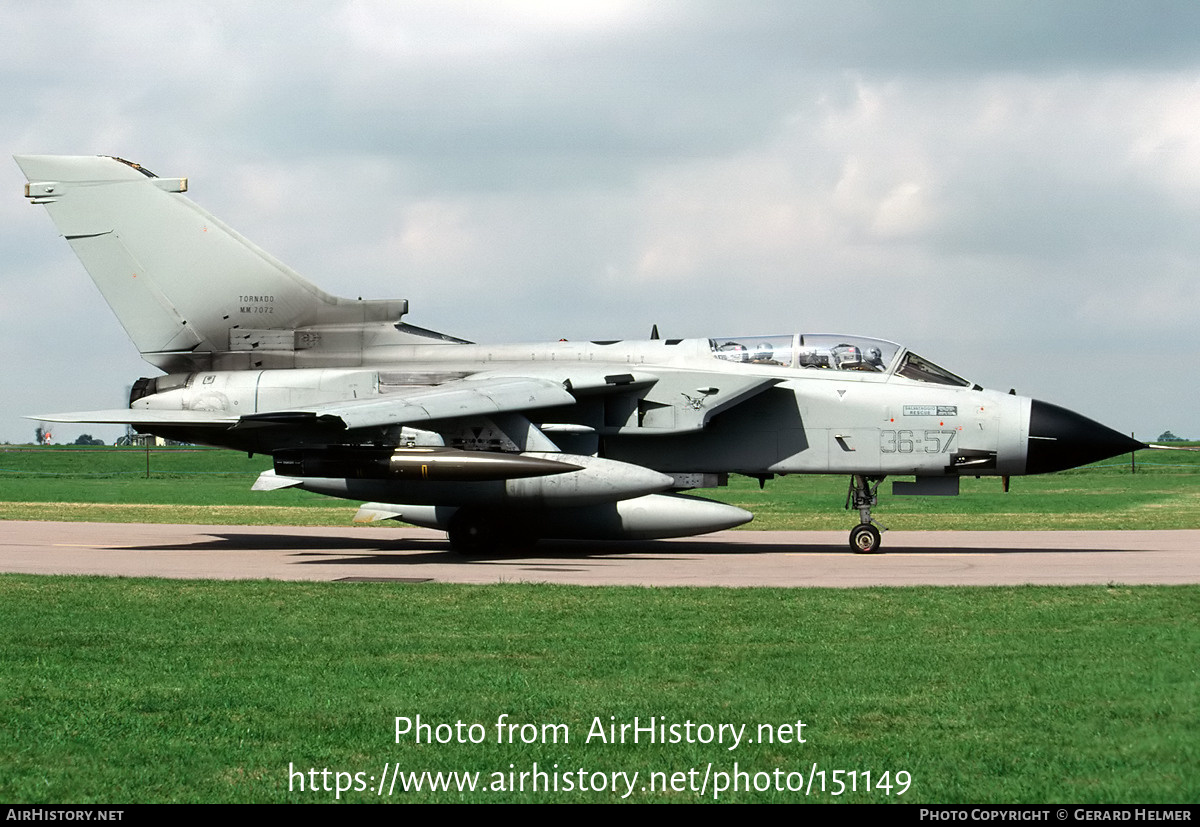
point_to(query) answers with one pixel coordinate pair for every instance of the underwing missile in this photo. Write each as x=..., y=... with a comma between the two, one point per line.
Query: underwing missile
x=587, y=481
x=365, y=463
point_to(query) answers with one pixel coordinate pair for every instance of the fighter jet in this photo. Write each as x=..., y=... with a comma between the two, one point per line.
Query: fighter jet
x=503, y=445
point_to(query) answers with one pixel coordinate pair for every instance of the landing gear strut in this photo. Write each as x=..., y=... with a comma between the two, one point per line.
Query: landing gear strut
x=864, y=537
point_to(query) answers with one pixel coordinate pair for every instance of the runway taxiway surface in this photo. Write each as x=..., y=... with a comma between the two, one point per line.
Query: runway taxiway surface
x=730, y=558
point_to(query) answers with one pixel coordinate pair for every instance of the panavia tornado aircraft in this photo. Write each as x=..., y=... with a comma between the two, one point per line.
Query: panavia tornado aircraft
x=500, y=445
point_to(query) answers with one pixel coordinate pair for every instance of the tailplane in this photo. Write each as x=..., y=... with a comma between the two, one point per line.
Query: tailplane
x=190, y=291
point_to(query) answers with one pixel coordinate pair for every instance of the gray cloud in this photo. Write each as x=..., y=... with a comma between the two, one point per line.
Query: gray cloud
x=1011, y=188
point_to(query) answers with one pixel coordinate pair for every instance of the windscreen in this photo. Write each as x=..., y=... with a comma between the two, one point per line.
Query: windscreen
x=921, y=369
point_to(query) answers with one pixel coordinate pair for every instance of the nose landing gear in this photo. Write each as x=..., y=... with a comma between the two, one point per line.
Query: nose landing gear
x=864, y=537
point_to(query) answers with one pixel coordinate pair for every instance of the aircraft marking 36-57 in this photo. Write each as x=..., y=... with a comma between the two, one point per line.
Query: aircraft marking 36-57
x=507, y=444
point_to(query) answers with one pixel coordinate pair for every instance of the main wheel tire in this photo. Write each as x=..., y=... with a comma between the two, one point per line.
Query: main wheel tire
x=474, y=533
x=471, y=533
x=865, y=539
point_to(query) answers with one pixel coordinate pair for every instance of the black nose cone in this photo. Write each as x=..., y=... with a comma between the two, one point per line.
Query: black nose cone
x=1060, y=439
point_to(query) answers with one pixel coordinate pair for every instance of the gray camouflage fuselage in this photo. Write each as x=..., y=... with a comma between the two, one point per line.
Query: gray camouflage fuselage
x=495, y=442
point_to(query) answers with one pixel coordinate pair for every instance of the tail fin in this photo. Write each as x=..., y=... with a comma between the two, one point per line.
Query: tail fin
x=191, y=292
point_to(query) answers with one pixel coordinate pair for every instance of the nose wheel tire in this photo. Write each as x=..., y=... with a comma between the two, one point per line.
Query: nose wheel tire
x=864, y=539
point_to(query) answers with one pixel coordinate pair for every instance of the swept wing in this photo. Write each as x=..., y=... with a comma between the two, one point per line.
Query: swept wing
x=462, y=398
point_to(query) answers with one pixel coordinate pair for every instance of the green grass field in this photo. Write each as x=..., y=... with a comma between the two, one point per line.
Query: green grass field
x=120, y=690
x=117, y=690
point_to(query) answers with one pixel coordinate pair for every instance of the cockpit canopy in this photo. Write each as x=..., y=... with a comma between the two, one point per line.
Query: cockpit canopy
x=825, y=351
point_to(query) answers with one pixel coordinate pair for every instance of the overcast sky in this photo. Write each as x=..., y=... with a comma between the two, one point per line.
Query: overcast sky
x=1012, y=189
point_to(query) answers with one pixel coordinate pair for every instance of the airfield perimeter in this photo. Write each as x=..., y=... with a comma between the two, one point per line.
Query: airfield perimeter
x=731, y=558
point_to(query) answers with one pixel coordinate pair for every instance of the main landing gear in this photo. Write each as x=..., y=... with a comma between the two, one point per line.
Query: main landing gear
x=864, y=537
x=475, y=532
